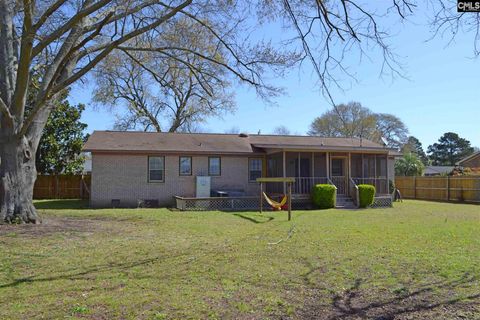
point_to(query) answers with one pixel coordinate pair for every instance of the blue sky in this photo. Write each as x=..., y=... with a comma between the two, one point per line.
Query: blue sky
x=440, y=94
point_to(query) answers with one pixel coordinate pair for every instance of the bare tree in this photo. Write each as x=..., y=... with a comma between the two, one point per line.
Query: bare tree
x=281, y=130
x=233, y=130
x=64, y=40
x=160, y=93
x=447, y=23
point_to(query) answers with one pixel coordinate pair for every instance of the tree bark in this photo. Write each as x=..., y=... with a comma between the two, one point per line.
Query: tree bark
x=17, y=178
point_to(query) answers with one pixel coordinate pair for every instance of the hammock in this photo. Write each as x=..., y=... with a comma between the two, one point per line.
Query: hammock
x=275, y=205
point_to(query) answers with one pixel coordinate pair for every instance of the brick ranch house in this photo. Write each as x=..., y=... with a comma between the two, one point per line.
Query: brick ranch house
x=128, y=167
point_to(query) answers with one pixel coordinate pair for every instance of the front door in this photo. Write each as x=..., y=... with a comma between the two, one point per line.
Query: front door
x=339, y=175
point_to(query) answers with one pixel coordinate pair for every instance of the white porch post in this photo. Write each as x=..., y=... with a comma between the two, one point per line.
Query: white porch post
x=349, y=165
x=387, y=178
x=349, y=169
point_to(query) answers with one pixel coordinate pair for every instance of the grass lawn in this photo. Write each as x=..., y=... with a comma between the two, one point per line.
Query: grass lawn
x=419, y=260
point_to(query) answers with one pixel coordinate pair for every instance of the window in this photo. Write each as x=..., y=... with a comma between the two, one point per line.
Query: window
x=185, y=166
x=156, y=169
x=254, y=169
x=214, y=166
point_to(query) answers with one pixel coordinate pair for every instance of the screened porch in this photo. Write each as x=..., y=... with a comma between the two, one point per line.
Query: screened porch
x=338, y=168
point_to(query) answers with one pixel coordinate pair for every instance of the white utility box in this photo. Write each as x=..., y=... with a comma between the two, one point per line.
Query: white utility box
x=203, y=187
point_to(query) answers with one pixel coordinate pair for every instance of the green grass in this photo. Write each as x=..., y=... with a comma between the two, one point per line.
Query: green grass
x=418, y=260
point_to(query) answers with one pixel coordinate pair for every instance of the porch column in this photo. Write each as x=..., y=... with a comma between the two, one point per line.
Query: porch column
x=387, y=178
x=328, y=164
x=284, y=171
x=349, y=165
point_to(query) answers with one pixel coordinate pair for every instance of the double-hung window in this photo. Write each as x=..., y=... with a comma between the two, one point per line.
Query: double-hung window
x=214, y=166
x=254, y=169
x=156, y=169
x=185, y=166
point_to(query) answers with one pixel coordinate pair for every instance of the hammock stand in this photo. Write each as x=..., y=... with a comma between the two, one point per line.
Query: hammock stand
x=274, y=204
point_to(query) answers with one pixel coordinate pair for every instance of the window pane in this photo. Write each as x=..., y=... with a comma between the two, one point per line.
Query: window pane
x=214, y=166
x=156, y=175
x=185, y=165
x=155, y=168
x=255, y=169
x=155, y=163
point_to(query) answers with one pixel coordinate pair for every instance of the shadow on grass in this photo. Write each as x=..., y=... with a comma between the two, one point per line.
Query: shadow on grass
x=75, y=274
x=255, y=218
x=61, y=204
x=423, y=302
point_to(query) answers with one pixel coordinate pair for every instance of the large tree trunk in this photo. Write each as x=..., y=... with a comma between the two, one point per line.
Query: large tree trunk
x=17, y=178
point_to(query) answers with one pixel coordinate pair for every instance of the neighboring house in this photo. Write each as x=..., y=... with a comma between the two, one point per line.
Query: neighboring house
x=132, y=166
x=437, y=170
x=472, y=161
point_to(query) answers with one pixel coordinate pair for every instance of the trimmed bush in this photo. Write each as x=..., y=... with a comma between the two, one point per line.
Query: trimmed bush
x=323, y=196
x=366, y=193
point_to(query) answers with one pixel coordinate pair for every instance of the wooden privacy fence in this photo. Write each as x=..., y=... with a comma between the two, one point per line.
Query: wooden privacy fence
x=455, y=188
x=62, y=187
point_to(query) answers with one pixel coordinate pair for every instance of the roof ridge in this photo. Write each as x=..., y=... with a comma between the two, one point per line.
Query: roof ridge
x=233, y=134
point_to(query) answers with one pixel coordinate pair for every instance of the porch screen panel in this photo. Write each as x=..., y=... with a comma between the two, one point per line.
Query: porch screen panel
x=292, y=161
x=275, y=165
x=305, y=165
x=320, y=164
x=381, y=166
x=356, y=163
x=369, y=166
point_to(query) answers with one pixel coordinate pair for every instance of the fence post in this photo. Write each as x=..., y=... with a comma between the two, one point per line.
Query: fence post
x=81, y=187
x=55, y=187
x=414, y=187
x=448, y=188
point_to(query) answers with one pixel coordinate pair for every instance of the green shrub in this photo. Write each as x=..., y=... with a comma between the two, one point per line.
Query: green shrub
x=366, y=193
x=323, y=196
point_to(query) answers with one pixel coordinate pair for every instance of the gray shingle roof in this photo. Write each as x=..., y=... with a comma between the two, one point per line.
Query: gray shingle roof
x=133, y=141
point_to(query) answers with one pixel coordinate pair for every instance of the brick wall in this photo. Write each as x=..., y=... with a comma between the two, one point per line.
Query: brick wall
x=125, y=177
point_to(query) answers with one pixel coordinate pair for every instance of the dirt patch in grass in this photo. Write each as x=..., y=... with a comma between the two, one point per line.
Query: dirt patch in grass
x=437, y=300
x=52, y=224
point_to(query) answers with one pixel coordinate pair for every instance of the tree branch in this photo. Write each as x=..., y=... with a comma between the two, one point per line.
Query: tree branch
x=43, y=43
x=23, y=72
x=117, y=43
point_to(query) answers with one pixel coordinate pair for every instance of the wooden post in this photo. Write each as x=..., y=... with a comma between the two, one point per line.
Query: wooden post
x=349, y=171
x=261, y=197
x=289, y=201
x=414, y=187
x=448, y=188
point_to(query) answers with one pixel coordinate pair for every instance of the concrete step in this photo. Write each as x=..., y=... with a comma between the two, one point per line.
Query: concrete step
x=345, y=202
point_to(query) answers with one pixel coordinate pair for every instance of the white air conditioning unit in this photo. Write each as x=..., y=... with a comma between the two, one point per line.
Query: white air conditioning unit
x=203, y=187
